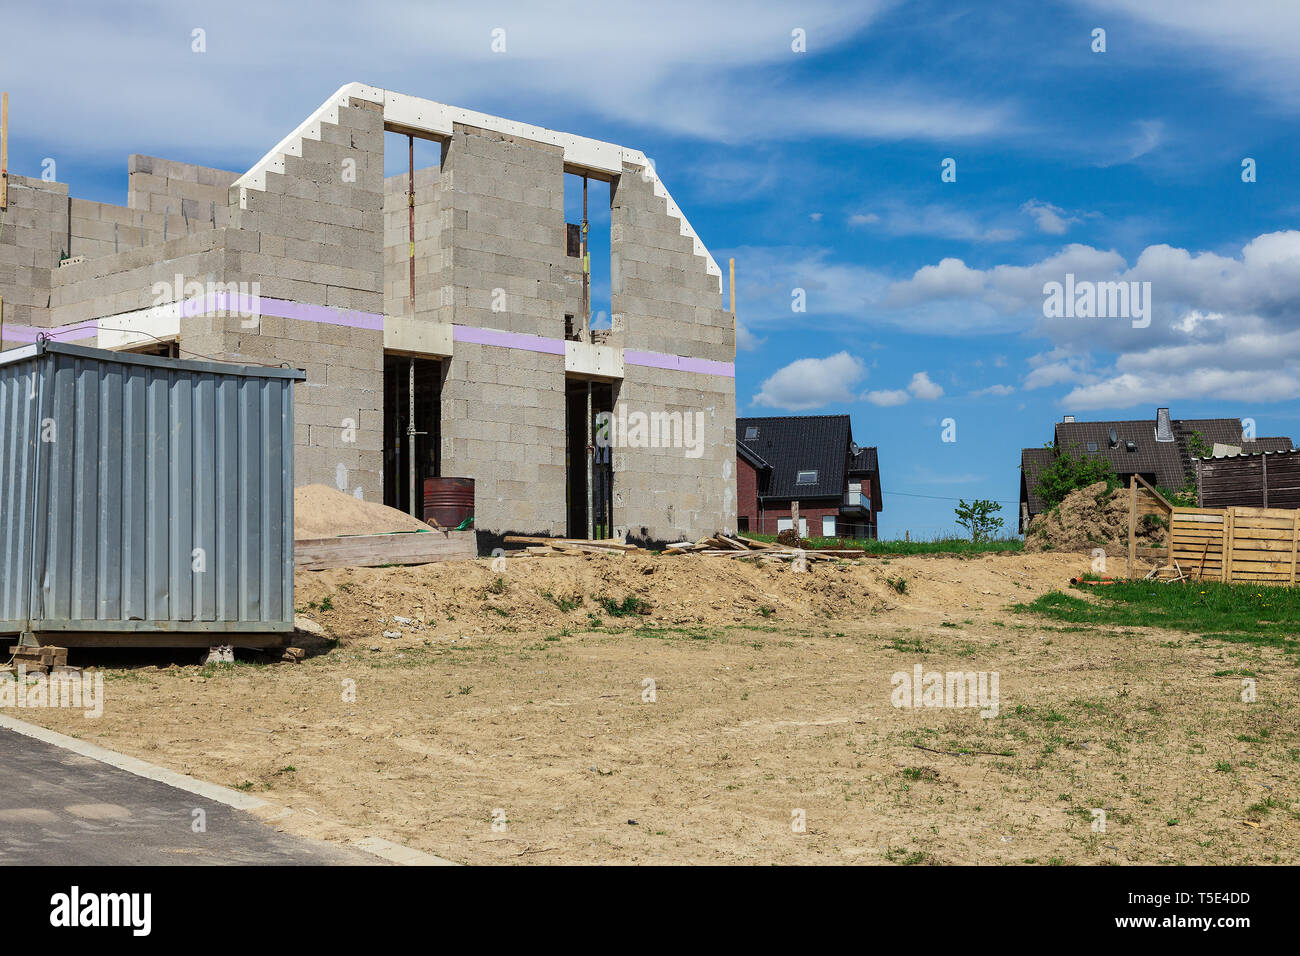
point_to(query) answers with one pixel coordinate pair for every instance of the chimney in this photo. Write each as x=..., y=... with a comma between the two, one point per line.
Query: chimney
x=1068, y=419
x=1164, y=427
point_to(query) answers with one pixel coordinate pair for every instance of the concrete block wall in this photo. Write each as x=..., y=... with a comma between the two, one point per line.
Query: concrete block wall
x=110, y=285
x=502, y=228
x=665, y=301
x=32, y=235
x=164, y=185
x=102, y=229
x=397, y=239
x=315, y=236
x=666, y=493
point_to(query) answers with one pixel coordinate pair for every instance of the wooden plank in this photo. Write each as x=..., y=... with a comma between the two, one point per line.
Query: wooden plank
x=1243, y=511
x=1225, y=571
x=4, y=150
x=1295, y=544
x=1265, y=534
x=1158, y=496
x=1251, y=546
x=373, y=550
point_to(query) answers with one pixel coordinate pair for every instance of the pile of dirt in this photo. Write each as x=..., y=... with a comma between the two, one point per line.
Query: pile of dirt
x=322, y=512
x=458, y=597
x=451, y=600
x=1090, y=517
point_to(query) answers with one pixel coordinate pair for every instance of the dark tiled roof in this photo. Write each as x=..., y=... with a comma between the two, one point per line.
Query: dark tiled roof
x=864, y=460
x=1032, y=463
x=799, y=443
x=1169, y=462
x=751, y=456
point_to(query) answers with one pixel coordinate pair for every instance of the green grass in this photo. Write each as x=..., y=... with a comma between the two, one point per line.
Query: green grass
x=628, y=606
x=1232, y=613
x=934, y=546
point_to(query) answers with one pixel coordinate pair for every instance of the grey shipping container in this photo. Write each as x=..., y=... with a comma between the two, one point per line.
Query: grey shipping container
x=144, y=501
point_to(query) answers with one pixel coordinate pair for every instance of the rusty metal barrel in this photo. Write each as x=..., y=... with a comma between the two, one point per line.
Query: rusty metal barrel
x=448, y=501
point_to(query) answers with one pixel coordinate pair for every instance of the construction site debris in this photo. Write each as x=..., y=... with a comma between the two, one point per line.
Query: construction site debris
x=719, y=545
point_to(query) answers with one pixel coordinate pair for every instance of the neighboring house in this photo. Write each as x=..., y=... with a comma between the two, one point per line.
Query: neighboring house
x=811, y=459
x=1161, y=450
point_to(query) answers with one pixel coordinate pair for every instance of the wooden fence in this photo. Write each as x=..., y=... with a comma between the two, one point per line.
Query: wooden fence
x=1143, y=500
x=1235, y=544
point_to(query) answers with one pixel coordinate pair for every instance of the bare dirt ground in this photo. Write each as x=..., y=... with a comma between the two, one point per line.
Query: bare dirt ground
x=772, y=694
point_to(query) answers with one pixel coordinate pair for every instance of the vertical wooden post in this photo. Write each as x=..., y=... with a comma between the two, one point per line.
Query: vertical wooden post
x=4, y=150
x=1295, y=540
x=1132, y=522
x=731, y=268
x=794, y=517
x=1229, y=514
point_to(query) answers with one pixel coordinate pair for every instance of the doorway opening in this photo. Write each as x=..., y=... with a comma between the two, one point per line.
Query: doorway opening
x=400, y=372
x=591, y=515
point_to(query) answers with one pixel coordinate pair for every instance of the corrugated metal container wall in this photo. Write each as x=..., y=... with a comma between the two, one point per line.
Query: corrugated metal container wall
x=144, y=494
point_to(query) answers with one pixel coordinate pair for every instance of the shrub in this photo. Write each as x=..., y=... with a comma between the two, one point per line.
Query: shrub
x=1069, y=472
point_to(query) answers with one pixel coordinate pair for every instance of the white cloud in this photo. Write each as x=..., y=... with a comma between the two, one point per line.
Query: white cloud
x=129, y=82
x=1253, y=43
x=922, y=388
x=811, y=383
x=1050, y=219
x=935, y=219
x=746, y=340
x=995, y=390
x=888, y=397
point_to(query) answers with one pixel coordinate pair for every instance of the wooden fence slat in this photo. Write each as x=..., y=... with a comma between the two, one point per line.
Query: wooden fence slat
x=1295, y=542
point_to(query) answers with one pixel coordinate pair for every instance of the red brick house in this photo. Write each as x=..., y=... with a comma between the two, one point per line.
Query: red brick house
x=811, y=459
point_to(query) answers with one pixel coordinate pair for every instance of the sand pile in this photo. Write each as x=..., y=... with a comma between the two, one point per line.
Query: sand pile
x=322, y=512
x=1088, y=518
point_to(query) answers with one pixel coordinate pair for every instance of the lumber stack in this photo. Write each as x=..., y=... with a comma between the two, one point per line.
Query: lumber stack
x=736, y=546
x=541, y=547
x=720, y=545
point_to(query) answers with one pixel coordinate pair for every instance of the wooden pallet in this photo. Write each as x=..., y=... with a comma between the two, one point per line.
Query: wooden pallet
x=375, y=550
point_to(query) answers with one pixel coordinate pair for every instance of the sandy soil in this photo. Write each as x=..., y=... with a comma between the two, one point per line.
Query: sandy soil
x=772, y=694
x=323, y=512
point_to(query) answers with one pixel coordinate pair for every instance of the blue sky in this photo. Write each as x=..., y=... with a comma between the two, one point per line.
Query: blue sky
x=820, y=170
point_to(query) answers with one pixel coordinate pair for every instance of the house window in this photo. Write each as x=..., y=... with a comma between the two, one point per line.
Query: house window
x=785, y=524
x=1092, y=446
x=806, y=477
x=828, y=526
x=751, y=432
x=742, y=523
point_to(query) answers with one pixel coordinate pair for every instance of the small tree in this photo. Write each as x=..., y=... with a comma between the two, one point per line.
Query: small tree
x=978, y=518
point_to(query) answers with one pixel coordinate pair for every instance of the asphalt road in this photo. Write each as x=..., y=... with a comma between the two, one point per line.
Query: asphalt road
x=62, y=809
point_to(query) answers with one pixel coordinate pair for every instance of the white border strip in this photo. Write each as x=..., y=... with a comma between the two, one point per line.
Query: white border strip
x=212, y=791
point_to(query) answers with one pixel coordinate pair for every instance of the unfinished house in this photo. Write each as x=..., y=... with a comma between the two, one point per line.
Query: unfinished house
x=442, y=319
